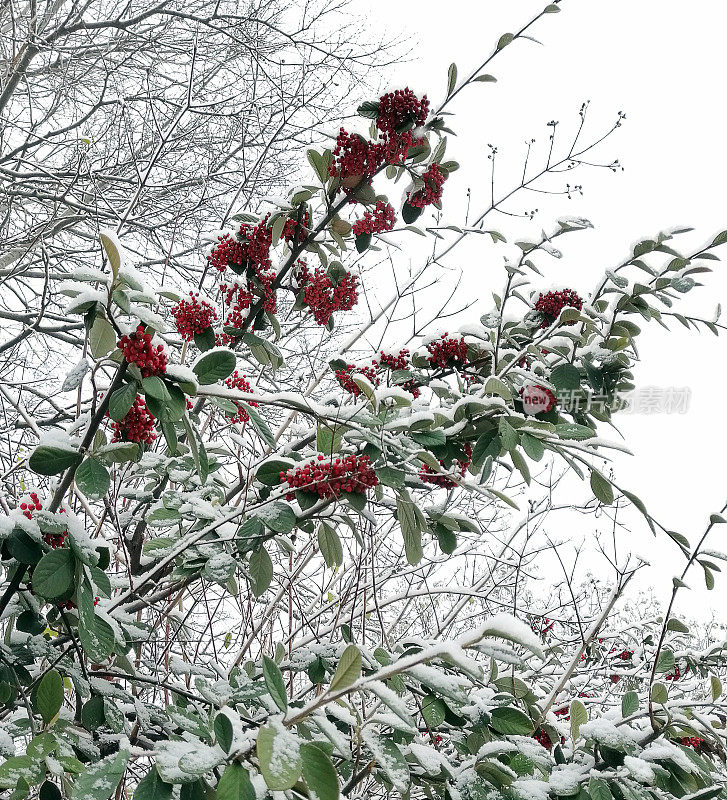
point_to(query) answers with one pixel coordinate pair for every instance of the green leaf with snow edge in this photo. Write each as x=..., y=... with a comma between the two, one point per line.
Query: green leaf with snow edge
x=319, y=773
x=279, y=756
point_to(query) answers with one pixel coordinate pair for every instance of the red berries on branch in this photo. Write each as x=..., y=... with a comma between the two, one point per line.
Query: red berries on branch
x=345, y=378
x=138, y=349
x=328, y=477
x=193, y=316
x=431, y=193
x=551, y=304
x=323, y=296
x=248, y=253
x=380, y=220
x=400, y=111
x=136, y=426
x=236, y=381
x=34, y=505
x=250, y=248
x=428, y=475
x=401, y=361
x=291, y=224
x=447, y=352
x=692, y=741
x=355, y=158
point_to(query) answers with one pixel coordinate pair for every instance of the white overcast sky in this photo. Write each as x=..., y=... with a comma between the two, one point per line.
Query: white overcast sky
x=663, y=63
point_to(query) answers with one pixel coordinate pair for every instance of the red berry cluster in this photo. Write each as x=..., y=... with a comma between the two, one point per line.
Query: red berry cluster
x=332, y=477
x=323, y=297
x=551, y=304
x=677, y=674
x=250, y=252
x=345, y=378
x=34, y=505
x=692, y=741
x=138, y=349
x=447, y=352
x=290, y=225
x=401, y=109
x=541, y=625
x=136, y=426
x=537, y=399
x=250, y=248
x=380, y=220
x=541, y=736
x=193, y=316
x=395, y=362
x=355, y=157
x=624, y=655
x=412, y=387
x=428, y=475
x=432, y=191
x=236, y=381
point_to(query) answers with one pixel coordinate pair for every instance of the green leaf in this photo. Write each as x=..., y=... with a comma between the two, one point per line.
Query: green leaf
x=205, y=340
x=601, y=487
x=665, y=662
x=504, y=40
x=215, y=365
x=569, y=430
x=348, y=669
x=48, y=791
x=19, y=768
x=676, y=625
x=223, y=731
x=269, y=471
x=578, y=717
x=716, y=686
x=411, y=527
x=368, y=109
x=498, y=387
x=259, y=424
x=319, y=773
x=554, y=9
x=121, y=401
x=532, y=446
x=330, y=545
x=509, y=720
x=155, y=387
x=235, y=784
x=391, y=760
x=261, y=571
x=92, y=478
x=363, y=240
x=410, y=213
x=152, y=787
x=433, y=710
x=280, y=517
x=451, y=78
x=49, y=697
x=112, y=253
x=101, y=778
x=598, y=789
x=658, y=693
x=102, y=337
x=629, y=704
x=486, y=78
x=274, y=683
x=54, y=574
x=96, y=635
x=49, y=460
x=565, y=376
x=282, y=772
